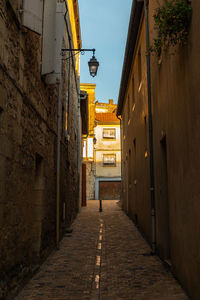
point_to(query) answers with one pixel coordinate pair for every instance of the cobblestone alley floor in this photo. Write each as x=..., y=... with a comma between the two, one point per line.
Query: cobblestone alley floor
x=102, y=259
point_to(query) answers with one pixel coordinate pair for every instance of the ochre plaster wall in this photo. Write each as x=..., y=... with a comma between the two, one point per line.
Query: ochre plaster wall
x=175, y=111
x=90, y=89
x=136, y=183
x=176, y=115
x=89, y=161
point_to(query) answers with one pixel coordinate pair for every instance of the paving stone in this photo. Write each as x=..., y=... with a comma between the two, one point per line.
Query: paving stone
x=103, y=259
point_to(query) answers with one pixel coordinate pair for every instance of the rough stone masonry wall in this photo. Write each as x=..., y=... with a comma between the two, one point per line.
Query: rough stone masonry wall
x=90, y=180
x=28, y=135
x=69, y=159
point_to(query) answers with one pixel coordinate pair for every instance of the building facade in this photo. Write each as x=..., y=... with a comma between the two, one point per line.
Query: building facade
x=107, y=153
x=160, y=138
x=88, y=166
x=101, y=164
x=101, y=107
x=38, y=150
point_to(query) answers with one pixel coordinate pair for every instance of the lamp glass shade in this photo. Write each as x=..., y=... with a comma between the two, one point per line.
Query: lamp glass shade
x=93, y=66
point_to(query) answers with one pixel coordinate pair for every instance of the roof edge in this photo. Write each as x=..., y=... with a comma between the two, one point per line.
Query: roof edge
x=134, y=23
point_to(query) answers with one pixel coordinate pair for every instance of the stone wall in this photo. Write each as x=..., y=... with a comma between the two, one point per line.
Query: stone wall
x=28, y=143
x=90, y=179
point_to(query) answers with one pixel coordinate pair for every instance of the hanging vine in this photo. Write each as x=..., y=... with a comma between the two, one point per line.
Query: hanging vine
x=171, y=23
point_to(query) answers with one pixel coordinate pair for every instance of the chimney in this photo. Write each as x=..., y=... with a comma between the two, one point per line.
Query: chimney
x=110, y=101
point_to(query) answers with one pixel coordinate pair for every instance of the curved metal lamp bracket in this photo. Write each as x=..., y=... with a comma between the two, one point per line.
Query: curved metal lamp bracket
x=82, y=51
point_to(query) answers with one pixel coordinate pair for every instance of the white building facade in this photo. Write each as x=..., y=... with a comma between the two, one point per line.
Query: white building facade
x=107, y=157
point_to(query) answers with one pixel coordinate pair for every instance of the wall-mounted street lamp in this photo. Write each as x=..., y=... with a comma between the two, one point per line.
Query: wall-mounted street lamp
x=93, y=63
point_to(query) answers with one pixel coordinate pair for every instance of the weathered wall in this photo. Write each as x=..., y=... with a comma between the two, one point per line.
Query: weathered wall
x=176, y=123
x=90, y=89
x=88, y=151
x=90, y=179
x=136, y=183
x=28, y=135
x=101, y=107
x=175, y=112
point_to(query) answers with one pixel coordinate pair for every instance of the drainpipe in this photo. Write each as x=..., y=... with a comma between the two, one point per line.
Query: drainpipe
x=58, y=161
x=121, y=158
x=152, y=184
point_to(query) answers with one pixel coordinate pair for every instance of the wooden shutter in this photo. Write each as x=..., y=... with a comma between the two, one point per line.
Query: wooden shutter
x=32, y=15
x=57, y=62
x=59, y=36
x=48, y=37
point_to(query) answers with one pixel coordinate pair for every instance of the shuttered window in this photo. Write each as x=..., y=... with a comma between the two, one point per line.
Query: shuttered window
x=109, y=133
x=59, y=36
x=109, y=160
x=57, y=45
x=48, y=37
x=32, y=14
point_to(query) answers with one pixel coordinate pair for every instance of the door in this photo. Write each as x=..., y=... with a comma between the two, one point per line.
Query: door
x=38, y=204
x=164, y=203
x=109, y=190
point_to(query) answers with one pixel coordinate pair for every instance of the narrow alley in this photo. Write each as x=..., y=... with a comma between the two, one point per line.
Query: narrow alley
x=104, y=257
x=99, y=103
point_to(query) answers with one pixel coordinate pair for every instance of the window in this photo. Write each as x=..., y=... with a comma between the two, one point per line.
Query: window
x=109, y=133
x=90, y=147
x=109, y=160
x=84, y=149
x=32, y=15
x=49, y=37
x=53, y=31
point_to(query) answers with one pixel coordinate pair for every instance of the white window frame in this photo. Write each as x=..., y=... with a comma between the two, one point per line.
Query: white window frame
x=107, y=163
x=113, y=137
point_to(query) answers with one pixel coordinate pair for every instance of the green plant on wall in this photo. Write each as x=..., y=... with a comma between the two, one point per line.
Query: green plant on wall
x=172, y=23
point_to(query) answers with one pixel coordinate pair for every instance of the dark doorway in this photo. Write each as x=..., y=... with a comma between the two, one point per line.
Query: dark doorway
x=164, y=203
x=38, y=203
x=129, y=181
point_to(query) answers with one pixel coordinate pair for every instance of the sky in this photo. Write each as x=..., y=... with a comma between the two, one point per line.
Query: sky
x=104, y=26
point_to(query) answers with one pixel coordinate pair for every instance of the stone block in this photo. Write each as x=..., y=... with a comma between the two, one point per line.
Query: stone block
x=6, y=147
x=3, y=97
x=2, y=168
x=1, y=214
x=17, y=134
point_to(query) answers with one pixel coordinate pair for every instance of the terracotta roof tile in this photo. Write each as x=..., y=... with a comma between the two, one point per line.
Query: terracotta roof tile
x=106, y=117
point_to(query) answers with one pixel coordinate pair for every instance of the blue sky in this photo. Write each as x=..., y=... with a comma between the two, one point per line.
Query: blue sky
x=104, y=26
